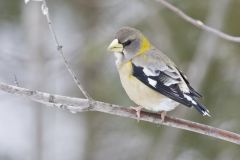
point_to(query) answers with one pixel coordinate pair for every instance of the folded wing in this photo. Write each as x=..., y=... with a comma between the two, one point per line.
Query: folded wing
x=165, y=78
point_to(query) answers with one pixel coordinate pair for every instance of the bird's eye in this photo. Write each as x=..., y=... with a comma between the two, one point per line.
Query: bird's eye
x=128, y=42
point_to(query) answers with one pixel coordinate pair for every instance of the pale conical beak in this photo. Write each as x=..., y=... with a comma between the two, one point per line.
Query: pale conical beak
x=115, y=46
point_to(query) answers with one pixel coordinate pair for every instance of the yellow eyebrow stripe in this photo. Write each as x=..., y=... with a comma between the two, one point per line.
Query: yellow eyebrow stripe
x=145, y=45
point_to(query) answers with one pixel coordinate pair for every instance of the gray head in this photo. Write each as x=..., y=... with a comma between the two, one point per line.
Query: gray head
x=129, y=42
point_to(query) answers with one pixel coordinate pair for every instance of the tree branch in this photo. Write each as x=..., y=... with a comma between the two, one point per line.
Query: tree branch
x=199, y=24
x=80, y=105
x=60, y=50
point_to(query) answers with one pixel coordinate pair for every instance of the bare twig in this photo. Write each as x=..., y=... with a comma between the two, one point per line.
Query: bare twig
x=81, y=105
x=198, y=23
x=15, y=80
x=60, y=50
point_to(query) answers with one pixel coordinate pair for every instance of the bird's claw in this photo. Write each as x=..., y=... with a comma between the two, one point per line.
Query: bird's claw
x=163, y=115
x=138, y=111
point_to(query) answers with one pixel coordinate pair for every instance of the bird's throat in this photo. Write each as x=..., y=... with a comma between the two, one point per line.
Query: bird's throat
x=119, y=58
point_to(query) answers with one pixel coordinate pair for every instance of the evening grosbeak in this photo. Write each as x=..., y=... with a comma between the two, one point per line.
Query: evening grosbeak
x=149, y=77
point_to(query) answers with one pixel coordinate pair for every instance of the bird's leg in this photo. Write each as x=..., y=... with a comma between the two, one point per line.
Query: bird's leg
x=163, y=114
x=138, y=111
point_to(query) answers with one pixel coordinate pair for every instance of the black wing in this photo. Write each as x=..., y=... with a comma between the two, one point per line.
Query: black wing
x=193, y=92
x=169, y=86
x=171, y=91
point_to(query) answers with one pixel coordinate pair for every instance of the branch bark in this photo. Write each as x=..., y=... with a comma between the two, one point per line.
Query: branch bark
x=81, y=105
x=60, y=50
x=197, y=23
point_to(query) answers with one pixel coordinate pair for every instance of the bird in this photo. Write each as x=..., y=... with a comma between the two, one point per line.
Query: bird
x=149, y=77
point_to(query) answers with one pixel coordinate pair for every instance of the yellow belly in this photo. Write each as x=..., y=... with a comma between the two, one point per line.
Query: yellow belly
x=142, y=94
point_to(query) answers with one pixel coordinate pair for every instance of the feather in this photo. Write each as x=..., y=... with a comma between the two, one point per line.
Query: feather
x=192, y=90
x=169, y=87
x=172, y=91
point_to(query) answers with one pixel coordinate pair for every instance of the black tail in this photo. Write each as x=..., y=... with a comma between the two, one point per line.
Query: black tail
x=201, y=109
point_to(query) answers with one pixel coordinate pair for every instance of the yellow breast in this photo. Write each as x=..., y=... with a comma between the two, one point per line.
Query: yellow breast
x=141, y=94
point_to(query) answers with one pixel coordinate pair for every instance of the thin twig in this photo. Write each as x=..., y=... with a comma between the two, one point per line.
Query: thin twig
x=15, y=80
x=198, y=23
x=60, y=50
x=81, y=105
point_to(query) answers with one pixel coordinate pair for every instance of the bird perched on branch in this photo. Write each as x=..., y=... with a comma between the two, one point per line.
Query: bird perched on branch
x=149, y=77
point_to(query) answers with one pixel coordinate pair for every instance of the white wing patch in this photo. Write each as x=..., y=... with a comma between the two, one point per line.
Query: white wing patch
x=152, y=82
x=148, y=72
x=172, y=74
x=184, y=87
x=169, y=82
x=190, y=99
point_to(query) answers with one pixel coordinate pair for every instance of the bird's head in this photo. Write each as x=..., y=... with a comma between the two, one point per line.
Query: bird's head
x=128, y=43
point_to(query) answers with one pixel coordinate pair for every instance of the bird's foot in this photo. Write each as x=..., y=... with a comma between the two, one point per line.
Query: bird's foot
x=138, y=111
x=163, y=115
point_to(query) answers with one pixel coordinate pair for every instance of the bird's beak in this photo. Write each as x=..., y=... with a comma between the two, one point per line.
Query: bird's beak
x=115, y=46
